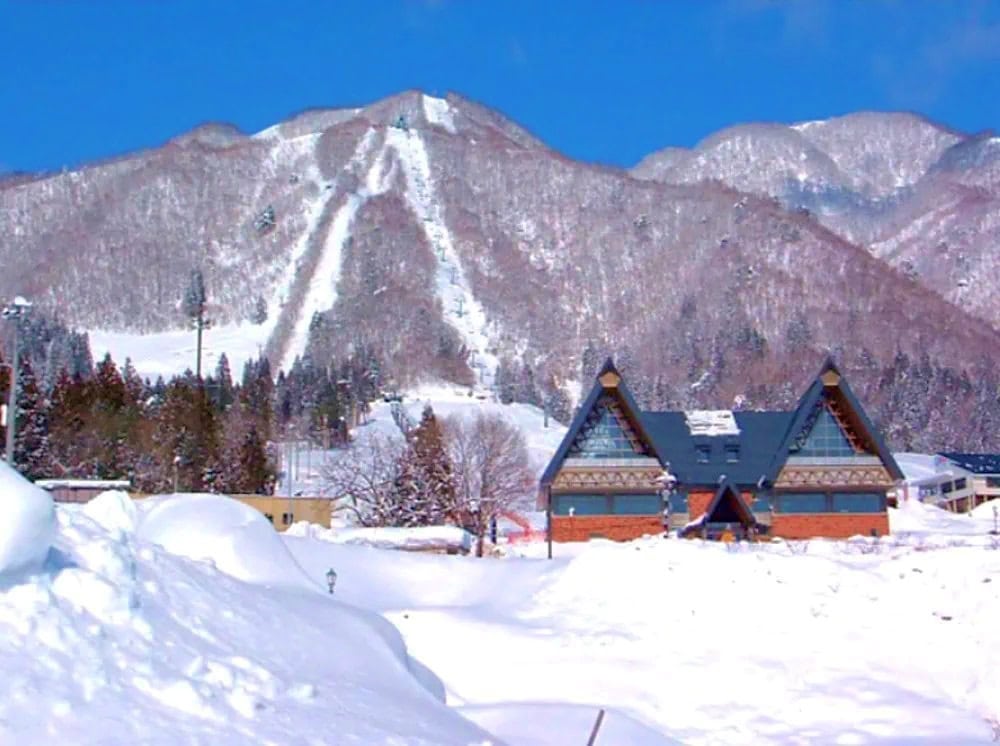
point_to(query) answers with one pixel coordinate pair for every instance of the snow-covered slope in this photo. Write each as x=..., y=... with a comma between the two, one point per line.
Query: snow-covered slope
x=118, y=641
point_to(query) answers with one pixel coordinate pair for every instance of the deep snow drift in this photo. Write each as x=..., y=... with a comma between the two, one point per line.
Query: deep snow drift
x=27, y=528
x=117, y=641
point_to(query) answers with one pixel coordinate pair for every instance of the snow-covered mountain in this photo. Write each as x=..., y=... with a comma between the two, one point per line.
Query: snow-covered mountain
x=921, y=196
x=448, y=238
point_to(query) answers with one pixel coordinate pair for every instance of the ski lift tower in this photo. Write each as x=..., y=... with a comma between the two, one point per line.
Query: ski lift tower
x=14, y=311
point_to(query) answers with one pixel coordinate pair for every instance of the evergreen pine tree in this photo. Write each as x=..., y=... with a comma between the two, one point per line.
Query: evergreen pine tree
x=223, y=384
x=426, y=486
x=32, y=455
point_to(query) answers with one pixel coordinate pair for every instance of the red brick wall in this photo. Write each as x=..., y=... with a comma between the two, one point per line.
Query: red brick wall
x=828, y=525
x=616, y=527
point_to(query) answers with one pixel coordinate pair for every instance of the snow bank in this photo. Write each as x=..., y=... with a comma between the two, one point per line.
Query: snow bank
x=28, y=525
x=238, y=539
x=120, y=642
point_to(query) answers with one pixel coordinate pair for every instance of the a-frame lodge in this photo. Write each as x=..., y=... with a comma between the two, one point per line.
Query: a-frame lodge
x=821, y=470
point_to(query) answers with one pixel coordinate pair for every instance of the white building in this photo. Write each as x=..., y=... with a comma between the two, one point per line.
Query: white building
x=936, y=479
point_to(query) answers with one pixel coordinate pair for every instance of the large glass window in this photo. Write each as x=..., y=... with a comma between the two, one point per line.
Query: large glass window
x=604, y=435
x=960, y=484
x=636, y=504
x=948, y=487
x=679, y=502
x=801, y=502
x=858, y=502
x=581, y=504
x=993, y=482
x=826, y=438
x=647, y=504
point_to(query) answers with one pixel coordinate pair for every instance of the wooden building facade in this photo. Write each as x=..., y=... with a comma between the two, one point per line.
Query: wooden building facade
x=620, y=473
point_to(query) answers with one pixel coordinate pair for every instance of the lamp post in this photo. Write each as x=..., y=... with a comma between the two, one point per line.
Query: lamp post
x=331, y=579
x=13, y=311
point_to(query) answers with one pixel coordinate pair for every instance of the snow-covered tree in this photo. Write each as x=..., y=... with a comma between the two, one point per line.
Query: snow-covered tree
x=492, y=469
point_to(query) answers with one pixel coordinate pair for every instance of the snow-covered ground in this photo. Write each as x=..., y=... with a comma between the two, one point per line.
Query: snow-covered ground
x=187, y=619
x=818, y=642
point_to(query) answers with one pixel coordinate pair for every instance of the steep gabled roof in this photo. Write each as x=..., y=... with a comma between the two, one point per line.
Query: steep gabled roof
x=831, y=379
x=760, y=435
x=727, y=491
x=977, y=463
x=607, y=381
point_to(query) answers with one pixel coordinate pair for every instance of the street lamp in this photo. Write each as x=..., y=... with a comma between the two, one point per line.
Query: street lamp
x=13, y=311
x=331, y=579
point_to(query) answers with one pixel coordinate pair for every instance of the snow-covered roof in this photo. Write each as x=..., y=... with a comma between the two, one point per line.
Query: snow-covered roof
x=923, y=468
x=711, y=422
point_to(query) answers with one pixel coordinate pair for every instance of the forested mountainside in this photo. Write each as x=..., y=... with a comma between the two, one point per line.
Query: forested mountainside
x=454, y=244
x=922, y=197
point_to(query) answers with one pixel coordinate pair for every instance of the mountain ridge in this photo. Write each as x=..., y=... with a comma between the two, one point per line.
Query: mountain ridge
x=453, y=241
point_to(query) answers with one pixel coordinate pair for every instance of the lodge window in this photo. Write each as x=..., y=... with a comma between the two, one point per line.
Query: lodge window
x=993, y=482
x=826, y=439
x=802, y=502
x=948, y=487
x=826, y=502
x=732, y=453
x=858, y=502
x=679, y=502
x=604, y=434
x=704, y=453
x=269, y=517
x=287, y=518
x=960, y=484
x=638, y=504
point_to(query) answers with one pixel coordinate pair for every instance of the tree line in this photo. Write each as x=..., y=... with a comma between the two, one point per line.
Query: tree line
x=186, y=433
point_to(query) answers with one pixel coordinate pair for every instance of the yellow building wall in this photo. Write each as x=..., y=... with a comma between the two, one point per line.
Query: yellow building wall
x=283, y=512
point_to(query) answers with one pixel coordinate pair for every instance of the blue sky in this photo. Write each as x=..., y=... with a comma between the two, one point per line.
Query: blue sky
x=600, y=81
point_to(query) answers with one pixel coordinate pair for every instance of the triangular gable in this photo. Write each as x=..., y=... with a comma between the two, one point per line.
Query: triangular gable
x=826, y=412
x=609, y=393
x=728, y=506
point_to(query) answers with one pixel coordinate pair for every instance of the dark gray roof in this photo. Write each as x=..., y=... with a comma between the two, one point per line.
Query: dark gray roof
x=977, y=463
x=761, y=433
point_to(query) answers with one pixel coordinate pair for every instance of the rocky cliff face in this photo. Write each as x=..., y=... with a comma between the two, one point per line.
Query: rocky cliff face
x=450, y=239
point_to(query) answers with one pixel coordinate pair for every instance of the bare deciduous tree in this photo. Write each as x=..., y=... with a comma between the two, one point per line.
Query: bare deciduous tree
x=491, y=467
x=364, y=479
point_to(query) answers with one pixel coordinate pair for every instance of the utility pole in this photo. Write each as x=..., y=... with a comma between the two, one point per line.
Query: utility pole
x=195, y=302
x=14, y=311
